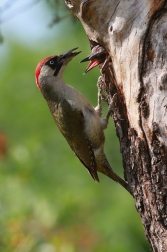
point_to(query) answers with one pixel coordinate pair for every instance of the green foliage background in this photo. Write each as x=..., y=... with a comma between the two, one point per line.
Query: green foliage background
x=48, y=201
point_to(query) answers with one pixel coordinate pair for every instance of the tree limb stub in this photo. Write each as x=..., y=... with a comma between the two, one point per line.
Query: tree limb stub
x=135, y=35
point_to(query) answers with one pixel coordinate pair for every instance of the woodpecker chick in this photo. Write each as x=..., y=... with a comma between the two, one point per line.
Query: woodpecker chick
x=99, y=55
x=75, y=117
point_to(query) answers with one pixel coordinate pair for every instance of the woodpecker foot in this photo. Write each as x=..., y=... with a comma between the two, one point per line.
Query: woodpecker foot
x=100, y=86
x=100, y=96
x=98, y=109
x=111, y=109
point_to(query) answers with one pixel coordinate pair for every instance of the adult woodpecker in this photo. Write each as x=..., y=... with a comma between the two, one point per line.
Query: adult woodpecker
x=75, y=117
x=99, y=55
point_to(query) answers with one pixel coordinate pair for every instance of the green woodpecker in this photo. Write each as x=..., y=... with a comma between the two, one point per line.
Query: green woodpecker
x=74, y=115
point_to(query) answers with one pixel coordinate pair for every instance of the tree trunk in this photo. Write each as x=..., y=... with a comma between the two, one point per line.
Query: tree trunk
x=134, y=32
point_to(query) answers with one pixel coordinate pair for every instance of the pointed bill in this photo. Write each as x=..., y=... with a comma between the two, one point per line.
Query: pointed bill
x=92, y=64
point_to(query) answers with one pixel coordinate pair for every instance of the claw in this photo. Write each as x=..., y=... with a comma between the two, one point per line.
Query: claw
x=100, y=96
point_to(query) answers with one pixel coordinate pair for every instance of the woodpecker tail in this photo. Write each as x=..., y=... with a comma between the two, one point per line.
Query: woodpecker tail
x=111, y=174
x=105, y=168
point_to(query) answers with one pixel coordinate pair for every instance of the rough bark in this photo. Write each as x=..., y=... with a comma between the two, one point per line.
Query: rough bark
x=135, y=34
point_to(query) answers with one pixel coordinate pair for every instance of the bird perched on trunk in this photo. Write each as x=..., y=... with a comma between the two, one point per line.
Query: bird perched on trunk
x=75, y=117
x=99, y=55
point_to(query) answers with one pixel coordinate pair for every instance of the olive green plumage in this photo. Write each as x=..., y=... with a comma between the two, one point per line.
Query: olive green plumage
x=75, y=117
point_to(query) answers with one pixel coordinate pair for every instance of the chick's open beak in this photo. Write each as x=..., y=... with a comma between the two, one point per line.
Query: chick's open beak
x=97, y=56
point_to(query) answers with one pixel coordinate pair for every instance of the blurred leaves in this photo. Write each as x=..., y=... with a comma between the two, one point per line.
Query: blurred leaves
x=10, y=9
x=60, y=11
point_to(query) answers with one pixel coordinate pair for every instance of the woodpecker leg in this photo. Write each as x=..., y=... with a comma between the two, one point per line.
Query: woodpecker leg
x=100, y=96
x=111, y=108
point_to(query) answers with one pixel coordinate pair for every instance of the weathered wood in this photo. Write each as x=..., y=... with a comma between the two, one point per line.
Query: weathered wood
x=135, y=35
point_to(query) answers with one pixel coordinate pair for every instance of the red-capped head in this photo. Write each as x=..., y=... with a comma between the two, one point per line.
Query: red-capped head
x=53, y=66
x=38, y=70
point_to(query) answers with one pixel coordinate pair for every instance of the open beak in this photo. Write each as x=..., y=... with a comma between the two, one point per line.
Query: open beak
x=97, y=56
x=69, y=54
x=93, y=63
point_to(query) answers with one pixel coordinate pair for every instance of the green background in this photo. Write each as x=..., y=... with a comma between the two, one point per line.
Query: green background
x=48, y=201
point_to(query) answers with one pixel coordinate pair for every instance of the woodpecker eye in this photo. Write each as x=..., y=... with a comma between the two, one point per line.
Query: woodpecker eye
x=51, y=62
